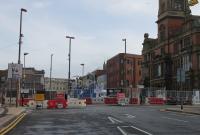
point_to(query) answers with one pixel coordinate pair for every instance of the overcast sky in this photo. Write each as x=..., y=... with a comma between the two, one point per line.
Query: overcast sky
x=97, y=25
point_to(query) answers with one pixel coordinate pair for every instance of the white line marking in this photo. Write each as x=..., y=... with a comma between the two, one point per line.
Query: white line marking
x=174, y=119
x=113, y=120
x=130, y=116
x=122, y=131
x=141, y=130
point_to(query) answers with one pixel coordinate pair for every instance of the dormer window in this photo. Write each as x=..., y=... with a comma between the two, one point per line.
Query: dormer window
x=178, y=4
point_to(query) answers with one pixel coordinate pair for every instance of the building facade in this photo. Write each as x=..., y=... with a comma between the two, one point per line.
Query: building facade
x=177, y=48
x=123, y=72
x=32, y=81
x=56, y=85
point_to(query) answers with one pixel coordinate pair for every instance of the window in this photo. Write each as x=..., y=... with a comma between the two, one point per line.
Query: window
x=198, y=61
x=139, y=62
x=187, y=42
x=178, y=4
x=162, y=32
x=140, y=73
x=122, y=61
x=186, y=64
x=128, y=62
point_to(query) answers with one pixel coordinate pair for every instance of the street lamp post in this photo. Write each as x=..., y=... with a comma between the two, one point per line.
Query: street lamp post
x=69, y=55
x=24, y=77
x=82, y=69
x=20, y=35
x=124, y=75
x=50, y=92
x=19, y=54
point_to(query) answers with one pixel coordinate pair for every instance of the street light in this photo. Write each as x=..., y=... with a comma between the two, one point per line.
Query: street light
x=124, y=43
x=124, y=80
x=24, y=76
x=50, y=92
x=19, y=55
x=82, y=69
x=20, y=35
x=24, y=64
x=69, y=55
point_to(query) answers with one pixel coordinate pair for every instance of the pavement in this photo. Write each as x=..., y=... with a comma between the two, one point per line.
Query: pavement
x=2, y=110
x=11, y=114
x=194, y=109
x=108, y=120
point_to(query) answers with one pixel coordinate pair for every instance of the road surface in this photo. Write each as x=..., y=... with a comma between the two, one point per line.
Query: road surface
x=108, y=120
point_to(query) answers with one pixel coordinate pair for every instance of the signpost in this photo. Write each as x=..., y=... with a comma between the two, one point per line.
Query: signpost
x=181, y=79
x=15, y=71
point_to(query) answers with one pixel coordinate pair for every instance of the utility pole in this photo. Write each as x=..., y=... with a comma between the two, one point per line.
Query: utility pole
x=124, y=72
x=19, y=54
x=69, y=55
x=24, y=78
x=50, y=92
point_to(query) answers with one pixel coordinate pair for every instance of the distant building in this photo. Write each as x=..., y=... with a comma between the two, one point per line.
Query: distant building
x=176, y=48
x=58, y=85
x=32, y=81
x=123, y=72
x=3, y=85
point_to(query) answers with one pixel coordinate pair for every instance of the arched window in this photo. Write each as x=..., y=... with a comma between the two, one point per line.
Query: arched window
x=162, y=32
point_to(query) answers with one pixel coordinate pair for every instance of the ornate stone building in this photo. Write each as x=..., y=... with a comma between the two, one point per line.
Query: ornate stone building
x=176, y=47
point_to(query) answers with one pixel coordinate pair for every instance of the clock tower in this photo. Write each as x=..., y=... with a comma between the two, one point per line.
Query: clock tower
x=171, y=16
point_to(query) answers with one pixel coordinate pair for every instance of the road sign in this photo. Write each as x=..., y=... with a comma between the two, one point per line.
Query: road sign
x=120, y=96
x=24, y=90
x=39, y=97
x=15, y=70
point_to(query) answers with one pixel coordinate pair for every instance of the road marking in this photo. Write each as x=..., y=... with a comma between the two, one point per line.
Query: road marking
x=141, y=130
x=135, y=128
x=174, y=119
x=130, y=116
x=10, y=126
x=113, y=120
x=122, y=131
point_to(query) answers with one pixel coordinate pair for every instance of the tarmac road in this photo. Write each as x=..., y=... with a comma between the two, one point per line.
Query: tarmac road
x=108, y=120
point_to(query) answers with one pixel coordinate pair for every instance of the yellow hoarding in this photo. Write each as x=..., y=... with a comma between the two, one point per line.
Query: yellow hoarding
x=39, y=97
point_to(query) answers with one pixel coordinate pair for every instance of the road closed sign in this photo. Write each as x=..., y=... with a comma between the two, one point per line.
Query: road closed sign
x=120, y=96
x=39, y=97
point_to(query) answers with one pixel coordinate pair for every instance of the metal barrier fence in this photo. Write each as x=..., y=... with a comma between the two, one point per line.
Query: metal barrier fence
x=186, y=95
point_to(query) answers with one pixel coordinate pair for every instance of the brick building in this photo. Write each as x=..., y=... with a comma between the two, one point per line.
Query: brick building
x=33, y=81
x=176, y=47
x=123, y=72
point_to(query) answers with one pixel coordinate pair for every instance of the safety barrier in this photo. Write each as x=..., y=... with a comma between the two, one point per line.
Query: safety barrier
x=76, y=103
x=110, y=100
x=88, y=101
x=133, y=101
x=31, y=104
x=25, y=101
x=52, y=104
x=156, y=101
x=98, y=101
x=123, y=101
x=61, y=103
